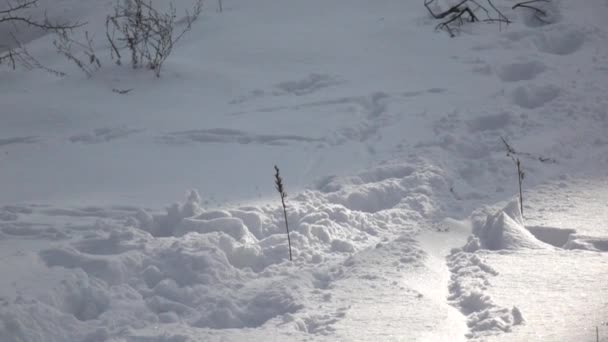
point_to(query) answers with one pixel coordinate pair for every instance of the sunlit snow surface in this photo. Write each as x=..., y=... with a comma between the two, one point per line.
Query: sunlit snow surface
x=564, y=289
x=401, y=202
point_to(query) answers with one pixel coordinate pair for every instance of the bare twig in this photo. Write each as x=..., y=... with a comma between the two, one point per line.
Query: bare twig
x=512, y=151
x=64, y=45
x=12, y=14
x=520, y=178
x=501, y=17
x=19, y=55
x=279, y=187
x=514, y=155
x=520, y=173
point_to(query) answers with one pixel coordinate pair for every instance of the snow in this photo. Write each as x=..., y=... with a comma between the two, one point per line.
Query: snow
x=505, y=230
x=402, y=208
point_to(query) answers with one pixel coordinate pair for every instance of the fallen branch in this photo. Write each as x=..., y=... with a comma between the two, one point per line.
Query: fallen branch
x=453, y=16
x=121, y=91
x=538, y=13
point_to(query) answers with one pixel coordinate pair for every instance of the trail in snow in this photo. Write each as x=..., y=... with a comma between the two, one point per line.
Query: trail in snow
x=387, y=133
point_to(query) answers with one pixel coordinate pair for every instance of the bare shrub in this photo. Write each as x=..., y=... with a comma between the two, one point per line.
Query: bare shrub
x=65, y=43
x=17, y=12
x=148, y=34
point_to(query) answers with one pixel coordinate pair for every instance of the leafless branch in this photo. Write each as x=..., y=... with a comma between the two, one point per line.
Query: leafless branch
x=19, y=55
x=511, y=152
x=15, y=13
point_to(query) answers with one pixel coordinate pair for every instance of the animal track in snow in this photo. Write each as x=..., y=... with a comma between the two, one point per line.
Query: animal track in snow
x=18, y=140
x=31, y=230
x=366, y=115
x=308, y=85
x=523, y=71
x=104, y=134
x=560, y=41
x=226, y=136
x=490, y=122
x=531, y=97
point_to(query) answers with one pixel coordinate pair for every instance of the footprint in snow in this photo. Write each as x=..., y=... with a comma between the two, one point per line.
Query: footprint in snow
x=104, y=134
x=18, y=140
x=233, y=136
x=524, y=71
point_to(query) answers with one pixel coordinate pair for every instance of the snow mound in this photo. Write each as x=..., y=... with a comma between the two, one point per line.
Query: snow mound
x=389, y=186
x=229, y=268
x=193, y=280
x=505, y=230
x=218, y=269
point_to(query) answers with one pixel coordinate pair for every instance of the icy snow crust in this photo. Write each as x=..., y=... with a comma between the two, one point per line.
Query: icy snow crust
x=401, y=209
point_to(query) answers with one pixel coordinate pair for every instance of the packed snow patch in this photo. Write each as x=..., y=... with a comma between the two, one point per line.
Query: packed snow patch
x=468, y=285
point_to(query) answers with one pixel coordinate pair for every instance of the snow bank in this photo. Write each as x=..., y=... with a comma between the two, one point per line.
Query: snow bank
x=222, y=269
x=389, y=186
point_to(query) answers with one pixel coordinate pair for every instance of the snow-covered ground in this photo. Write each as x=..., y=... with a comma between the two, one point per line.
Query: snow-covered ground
x=402, y=202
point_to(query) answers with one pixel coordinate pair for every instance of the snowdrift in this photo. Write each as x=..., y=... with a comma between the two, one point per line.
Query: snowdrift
x=505, y=230
x=219, y=269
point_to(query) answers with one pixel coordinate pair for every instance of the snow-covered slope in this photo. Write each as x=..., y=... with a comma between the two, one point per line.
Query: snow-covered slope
x=401, y=204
